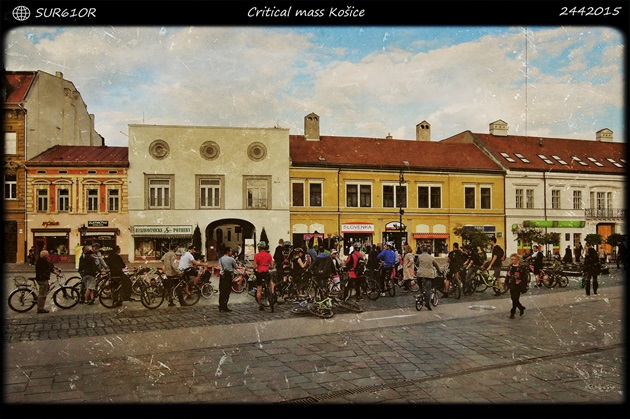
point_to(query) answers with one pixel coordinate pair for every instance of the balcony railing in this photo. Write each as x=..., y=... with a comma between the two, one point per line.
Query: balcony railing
x=605, y=213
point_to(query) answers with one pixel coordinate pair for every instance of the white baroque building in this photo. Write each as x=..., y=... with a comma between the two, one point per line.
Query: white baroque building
x=230, y=182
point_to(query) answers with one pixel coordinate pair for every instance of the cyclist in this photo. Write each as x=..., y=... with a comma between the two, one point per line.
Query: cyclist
x=388, y=259
x=536, y=260
x=43, y=269
x=408, y=266
x=426, y=262
x=188, y=264
x=169, y=259
x=354, y=277
x=455, y=262
x=495, y=262
x=322, y=267
x=262, y=263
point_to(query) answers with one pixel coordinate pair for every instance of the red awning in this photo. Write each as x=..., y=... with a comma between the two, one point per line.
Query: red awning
x=430, y=235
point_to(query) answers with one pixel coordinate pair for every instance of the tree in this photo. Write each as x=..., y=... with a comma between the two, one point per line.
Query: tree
x=263, y=237
x=528, y=234
x=472, y=236
x=196, y=241
x=549, y=239
x=594, y=239
x=614, y=239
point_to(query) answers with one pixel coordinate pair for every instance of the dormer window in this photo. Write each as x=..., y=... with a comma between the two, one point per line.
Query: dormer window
x=545, y=159
x=598, y=164
x=614, y=162
x=520, y=156
x=507, y=157
x=559, y=160
x=577, y=159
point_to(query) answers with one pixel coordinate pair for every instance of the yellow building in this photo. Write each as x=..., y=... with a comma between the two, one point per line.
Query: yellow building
x=362, y=188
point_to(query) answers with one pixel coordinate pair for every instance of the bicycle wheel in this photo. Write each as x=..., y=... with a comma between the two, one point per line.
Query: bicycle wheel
x=479, y=284
x=455, y=289
x=503, y=288
x=562, y=280
x=152, y=296
x=72, y=281
x=434, y=298
x=349, y=305
x=22, y=300
x=419, y=302
x=468, y=288
x=320, y=310
x=238, y=284
x=413, y=285
x=105, y=296
x=207, y=291
x=547, y=280
x=192, y=295
x=66, y=297
x=136, y=285
x=372, y=289
x=392, y=287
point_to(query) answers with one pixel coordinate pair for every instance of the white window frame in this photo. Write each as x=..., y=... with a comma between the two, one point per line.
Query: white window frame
x=10, y=143
x=359, y=186
x=257, y=192
x=217, y=192
x=577, y=200
x=430, y=187
x=63, y=203
x=555, y=199
x=529, y=198
x=152, y=186
x=113, y=197
x=395, y=186
x=519, y=199
x=91, y=200
x=10, y=187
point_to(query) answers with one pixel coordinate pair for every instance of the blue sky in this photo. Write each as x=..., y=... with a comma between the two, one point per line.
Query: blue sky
x=565, y=82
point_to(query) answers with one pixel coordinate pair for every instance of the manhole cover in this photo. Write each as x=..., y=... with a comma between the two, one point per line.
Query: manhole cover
x=481, y=307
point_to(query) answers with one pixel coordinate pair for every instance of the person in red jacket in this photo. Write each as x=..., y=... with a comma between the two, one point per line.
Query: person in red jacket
x=262, y=263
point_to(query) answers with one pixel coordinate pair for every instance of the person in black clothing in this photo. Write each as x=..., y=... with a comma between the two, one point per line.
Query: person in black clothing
x=591, y=269
x=496, y=262
x=322, y=267
x=278, y=261
x=43, y=269
x=621, y=254
x=455, y=261
x=118, y=276
x=372, y=265
x=568, y=255
x=516, y=277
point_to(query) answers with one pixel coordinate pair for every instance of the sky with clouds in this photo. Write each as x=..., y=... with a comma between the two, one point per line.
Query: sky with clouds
x=565, y=82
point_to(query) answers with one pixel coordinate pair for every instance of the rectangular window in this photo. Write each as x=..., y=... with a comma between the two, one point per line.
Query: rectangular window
x=469, y=197
x=159, y=193
x=42, y=200
x=555, y=199
x=113, y=200
x=529, y=198
x=486, y=198
x=10, y=186
x=92, y=200
x=10, y=143
x=315, y=194
x=257, y=193
x=394, y=195
x=358, y=195
x=519, y=198
x=601, y=200
x=429, y=197
x=609, y=203
x=63, y=200
x=297, y=194
x=209, y=193
x=577, y=200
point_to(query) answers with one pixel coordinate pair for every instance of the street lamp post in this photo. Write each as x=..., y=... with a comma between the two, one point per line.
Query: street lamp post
x=401, y=211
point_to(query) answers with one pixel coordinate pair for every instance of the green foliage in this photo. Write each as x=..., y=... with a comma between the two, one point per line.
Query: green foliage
x=614, y=239
x=594, y=239
x=530, y=234
x=263, y=236
x=472, y=237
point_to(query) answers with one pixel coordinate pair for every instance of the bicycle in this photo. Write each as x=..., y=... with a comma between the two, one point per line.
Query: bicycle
x=367, y=286
x=106, y=292
x=455, y=286
x=241, y=278
x=154, y=291
x=484, y=279
x=410, y=285
x=420, y=298
x=388, y=283
x=553, y=277
x=24, y=297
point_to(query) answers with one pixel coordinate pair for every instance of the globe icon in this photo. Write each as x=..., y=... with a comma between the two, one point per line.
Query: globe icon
x=21, y=13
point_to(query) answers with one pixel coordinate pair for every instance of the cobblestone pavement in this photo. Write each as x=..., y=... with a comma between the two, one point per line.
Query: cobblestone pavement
x=566, y=349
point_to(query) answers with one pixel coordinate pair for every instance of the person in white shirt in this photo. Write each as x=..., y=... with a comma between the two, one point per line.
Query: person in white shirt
x=187, y=263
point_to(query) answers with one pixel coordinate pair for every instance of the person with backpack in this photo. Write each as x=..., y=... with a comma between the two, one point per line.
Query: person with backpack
x=456, y=259
x=388, y=259
x=536, y=260
x=262, y=263
x=322, y=267
x=495, y=262
x=517, y=277
x=355, y=265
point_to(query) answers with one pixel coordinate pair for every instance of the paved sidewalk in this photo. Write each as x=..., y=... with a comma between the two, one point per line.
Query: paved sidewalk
x=567, y=348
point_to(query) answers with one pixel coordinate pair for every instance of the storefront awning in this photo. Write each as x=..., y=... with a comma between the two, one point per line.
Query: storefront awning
x=430, y=235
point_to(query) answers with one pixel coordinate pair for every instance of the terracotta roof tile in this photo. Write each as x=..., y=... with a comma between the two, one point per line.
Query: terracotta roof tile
x=18, y=85
x=388, y=153
x=556, y=151
x=82, y=156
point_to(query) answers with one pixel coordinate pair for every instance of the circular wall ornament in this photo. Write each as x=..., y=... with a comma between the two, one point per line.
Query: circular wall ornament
x=210, y=150
x=159, y=149
x=257, y=151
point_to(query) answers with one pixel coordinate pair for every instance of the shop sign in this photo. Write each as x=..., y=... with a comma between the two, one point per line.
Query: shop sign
x=553, y=224
x=357, y=228
x=395, y=225
x=98, y=223
x=50, y=222
x=162, y=230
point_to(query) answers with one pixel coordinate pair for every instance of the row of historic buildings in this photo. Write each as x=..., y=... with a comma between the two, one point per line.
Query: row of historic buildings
x=233, y=182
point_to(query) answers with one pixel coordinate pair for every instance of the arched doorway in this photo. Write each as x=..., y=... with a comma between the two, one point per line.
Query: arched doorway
x=227, y=232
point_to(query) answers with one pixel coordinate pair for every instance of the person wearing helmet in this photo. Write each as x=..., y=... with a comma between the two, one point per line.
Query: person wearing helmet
x=262, y=263
x=388, y=260
x=278, y=258
x=355, y=263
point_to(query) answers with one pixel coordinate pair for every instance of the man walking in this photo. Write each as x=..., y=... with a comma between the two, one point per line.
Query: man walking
x=43, y=269
x=169, y=259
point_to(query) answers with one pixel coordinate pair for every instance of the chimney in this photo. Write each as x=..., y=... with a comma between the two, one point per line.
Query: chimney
x=59, y=74
x=604, y=135
x=311, y=127
x=499, y=128
x=423, y=131
x=389, y=136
